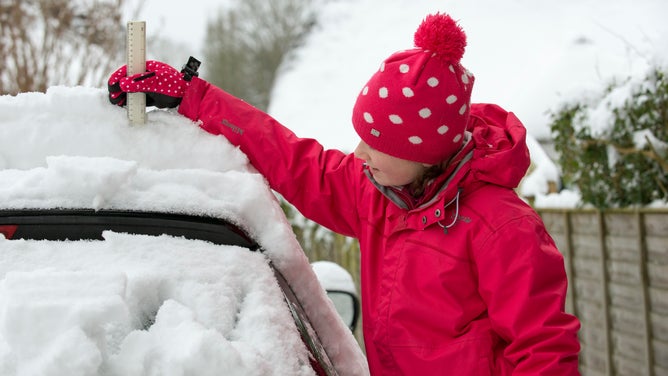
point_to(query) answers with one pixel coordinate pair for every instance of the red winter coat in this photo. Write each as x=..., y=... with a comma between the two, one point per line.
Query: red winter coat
x=484, y=297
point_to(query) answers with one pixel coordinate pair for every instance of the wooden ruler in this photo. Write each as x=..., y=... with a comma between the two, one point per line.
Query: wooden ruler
x=136, y=63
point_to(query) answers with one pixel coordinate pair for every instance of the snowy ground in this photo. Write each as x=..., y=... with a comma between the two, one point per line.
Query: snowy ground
x=82, y=308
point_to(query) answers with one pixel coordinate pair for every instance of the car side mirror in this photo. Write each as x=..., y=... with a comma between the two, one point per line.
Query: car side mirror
x=347, y=305
x=340, y=289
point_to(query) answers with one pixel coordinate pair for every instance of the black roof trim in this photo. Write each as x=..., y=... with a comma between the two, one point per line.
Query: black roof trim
x=88, y=224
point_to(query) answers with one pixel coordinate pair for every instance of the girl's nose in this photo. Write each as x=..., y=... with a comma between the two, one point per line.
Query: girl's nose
x=361, y=151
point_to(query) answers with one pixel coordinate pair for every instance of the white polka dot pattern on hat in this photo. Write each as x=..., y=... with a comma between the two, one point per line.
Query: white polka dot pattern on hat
x=415, y=140
x=396, y=119
x=425, y=113
x=368, y=118
x=415, y=107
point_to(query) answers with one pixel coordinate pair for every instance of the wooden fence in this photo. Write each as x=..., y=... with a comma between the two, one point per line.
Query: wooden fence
x=617, y=262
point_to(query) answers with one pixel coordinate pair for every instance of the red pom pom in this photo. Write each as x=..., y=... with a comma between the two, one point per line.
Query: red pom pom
x=441, y=34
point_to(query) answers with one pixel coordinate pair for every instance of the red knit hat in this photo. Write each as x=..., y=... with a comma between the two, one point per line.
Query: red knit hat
x=416, y=107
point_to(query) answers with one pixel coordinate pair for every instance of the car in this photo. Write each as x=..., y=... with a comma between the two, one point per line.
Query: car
x=341, y=290
x=151, y=249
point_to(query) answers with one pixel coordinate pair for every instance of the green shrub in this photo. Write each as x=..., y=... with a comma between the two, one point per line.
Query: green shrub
x=613, y=149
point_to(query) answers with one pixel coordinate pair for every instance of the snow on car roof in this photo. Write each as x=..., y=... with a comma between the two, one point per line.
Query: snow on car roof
x=69, y=148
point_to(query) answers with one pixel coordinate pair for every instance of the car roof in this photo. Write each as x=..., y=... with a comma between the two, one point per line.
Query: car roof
x=68, y=148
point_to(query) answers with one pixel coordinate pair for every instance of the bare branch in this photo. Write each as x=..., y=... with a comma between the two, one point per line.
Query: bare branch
x=58, y=42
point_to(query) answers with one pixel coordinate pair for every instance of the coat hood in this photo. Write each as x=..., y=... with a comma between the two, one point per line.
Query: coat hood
x=496, y=153
x=500, y=154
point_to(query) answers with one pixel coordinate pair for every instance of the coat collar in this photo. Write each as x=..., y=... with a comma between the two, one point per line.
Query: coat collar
x=495, y=153
x=443, y=188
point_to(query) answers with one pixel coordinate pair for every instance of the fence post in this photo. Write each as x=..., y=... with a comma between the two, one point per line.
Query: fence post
x=571, y=293
x=644, y=280
x=605, y=283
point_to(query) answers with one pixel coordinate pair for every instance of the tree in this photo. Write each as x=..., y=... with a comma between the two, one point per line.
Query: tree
x=52, y=42
x=614, y=148
x=247, y=43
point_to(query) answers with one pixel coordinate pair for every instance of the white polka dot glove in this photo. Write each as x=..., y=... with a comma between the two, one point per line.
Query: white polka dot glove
x=164, y=86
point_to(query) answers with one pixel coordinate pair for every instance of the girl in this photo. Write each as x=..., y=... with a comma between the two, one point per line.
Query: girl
x=459, y=276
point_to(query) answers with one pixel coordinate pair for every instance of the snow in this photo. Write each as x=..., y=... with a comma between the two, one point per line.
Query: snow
x=541, y=172
x=145, y=305
x=645, y=138
x=73, y=308
x=334, y=277
x=527, y=56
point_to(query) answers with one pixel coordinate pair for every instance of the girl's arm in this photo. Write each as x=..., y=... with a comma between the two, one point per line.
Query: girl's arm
x=322, y=184
x=523, y=281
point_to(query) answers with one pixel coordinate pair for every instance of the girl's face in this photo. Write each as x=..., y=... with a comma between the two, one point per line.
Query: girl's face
x=388, y=170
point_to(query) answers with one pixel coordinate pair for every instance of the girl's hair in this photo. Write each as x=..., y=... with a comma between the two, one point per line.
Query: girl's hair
x=418, y=187
x=420, y=184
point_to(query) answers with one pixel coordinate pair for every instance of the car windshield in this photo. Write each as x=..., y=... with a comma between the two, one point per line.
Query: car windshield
x=131, y=304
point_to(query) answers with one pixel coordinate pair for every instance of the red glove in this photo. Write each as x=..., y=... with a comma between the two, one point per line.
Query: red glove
x=164, y=86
